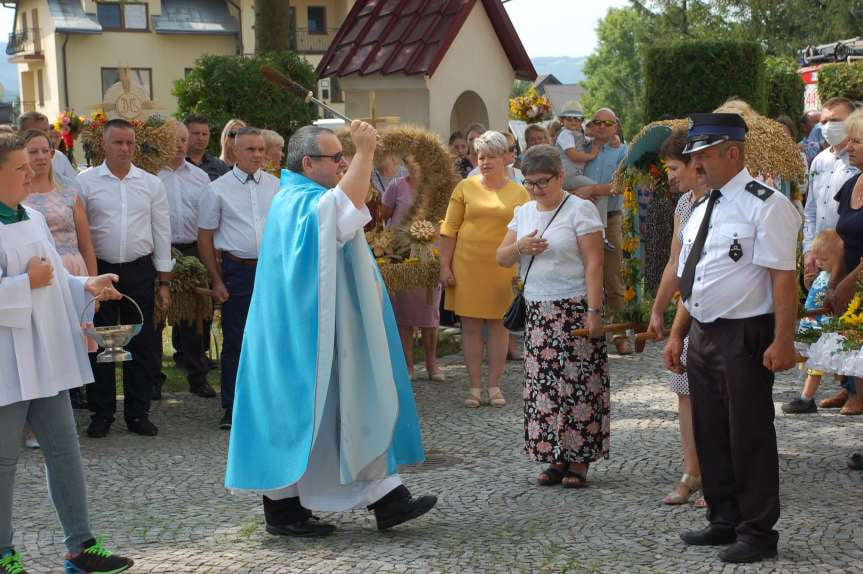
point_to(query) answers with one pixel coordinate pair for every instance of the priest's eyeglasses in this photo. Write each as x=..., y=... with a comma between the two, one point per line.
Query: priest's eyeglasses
x=542, y=184
x=336, y=157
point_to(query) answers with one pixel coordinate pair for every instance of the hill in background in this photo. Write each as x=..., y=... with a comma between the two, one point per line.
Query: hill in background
x=565, y=68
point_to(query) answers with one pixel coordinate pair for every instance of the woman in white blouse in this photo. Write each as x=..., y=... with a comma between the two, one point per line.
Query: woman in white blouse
x=566, y=410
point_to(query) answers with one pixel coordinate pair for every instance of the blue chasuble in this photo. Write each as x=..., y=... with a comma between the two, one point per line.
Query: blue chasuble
x=316, y=306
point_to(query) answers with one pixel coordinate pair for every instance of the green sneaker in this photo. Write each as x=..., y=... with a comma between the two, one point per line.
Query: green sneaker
x=96, y=559
x=10, y=563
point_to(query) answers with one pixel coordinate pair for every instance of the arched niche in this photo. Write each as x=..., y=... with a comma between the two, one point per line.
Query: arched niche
x=468, y=108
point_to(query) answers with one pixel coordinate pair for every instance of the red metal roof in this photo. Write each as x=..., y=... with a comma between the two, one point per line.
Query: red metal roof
x=411, y=37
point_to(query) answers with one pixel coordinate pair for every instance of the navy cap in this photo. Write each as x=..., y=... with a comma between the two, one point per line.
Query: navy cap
x=708, y=130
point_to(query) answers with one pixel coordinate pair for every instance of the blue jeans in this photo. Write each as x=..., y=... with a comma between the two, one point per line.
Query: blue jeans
x=239, y=280
x=54, y=424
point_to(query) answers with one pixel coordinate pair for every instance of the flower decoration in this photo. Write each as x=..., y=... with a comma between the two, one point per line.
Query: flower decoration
x=422, y=231
x=69, y=125
x=530, y=107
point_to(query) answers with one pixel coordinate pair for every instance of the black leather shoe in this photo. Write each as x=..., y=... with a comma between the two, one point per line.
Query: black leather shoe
x=156, y=394
x=402, y=510
x=203, y=390
x=225, y=423
x=310, y=527
x=743, y=553
x=710, y=536
x=142, y=426
x=98, y=428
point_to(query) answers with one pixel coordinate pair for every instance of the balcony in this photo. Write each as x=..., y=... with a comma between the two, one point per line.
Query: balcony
x=25, y=44
x=303, y=41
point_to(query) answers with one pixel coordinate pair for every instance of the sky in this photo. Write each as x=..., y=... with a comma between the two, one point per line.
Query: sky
x=546, y=27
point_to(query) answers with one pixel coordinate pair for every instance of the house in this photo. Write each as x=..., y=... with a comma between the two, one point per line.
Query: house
x=439, y=64
x=70, y=52
x=544, y=80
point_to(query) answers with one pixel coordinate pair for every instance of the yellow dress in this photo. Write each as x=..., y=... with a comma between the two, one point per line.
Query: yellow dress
x=477, y=218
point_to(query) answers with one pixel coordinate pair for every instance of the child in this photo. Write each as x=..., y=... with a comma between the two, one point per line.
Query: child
x=571, y=144
x=827, y=248
x=42, y=356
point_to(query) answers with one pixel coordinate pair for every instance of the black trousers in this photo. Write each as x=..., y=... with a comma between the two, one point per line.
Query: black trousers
x=190, y=346
x=138, y=281
x=732, y=411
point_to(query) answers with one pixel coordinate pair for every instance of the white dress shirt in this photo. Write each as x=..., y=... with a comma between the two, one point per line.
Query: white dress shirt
x=764, y=228
x=185, y=187
x=236, y=208
x=129, y=217
x=63, y=170
x=827, y=173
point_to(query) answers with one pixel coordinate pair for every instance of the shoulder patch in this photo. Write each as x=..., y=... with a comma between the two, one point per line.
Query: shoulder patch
x=759, y=190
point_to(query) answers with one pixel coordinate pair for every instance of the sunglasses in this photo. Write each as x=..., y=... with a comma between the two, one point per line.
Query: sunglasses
x=232, y=135
x=539, y=183
x=336, y=157
x=606, y=123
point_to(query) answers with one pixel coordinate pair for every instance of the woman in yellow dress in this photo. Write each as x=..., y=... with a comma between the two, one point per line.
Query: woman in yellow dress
x=477, y=288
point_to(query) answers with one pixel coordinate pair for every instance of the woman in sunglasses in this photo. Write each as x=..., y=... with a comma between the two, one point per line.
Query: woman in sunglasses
x=557, y=239
x=229, y=134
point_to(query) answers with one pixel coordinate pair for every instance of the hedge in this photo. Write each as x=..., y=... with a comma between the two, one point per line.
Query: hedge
x=699, y=75
x=845, y=80
x=225, y=87
x=784, y=88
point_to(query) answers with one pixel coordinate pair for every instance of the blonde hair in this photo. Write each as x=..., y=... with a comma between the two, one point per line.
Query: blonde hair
x=32, y=134
x=272, y=139
x=854, y=124
x=828, y=241
x=233, y=125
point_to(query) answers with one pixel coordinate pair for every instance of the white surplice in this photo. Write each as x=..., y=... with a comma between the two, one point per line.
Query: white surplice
x=320, y=487
x=42, y=350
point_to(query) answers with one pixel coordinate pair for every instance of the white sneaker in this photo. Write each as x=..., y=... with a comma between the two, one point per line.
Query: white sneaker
x=31, y=442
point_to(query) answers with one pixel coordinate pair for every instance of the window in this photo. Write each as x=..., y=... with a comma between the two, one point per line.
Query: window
x=125, y=16
x=40, y=86
x=325, y=89
x=317, y=20
x=142, y=77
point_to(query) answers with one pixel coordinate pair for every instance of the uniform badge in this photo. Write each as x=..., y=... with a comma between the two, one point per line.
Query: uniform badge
x=735, y=251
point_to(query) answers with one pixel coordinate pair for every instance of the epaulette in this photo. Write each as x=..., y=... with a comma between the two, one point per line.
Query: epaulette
x=759, y=190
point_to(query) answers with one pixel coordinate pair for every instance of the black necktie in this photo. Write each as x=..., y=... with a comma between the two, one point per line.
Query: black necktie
x=688, y=276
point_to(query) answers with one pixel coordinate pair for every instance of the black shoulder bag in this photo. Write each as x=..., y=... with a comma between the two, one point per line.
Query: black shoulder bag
x=515, y=316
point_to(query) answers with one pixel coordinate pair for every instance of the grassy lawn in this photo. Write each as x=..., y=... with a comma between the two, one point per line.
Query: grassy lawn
x=448, y=344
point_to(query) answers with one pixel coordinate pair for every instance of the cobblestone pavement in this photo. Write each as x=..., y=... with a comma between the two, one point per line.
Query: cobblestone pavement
x=161, y=500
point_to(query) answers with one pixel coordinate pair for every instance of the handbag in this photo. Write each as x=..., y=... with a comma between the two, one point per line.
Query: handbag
x=515, y=317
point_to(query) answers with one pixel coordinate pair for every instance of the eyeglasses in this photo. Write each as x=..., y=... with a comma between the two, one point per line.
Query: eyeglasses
x=606, y=123
x=539, y=183
x=336, y=157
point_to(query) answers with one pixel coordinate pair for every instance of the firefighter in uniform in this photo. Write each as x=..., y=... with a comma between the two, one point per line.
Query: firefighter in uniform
x=738, y=305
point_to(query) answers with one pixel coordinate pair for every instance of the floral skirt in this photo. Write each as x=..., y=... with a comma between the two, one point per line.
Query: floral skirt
x=567, y=404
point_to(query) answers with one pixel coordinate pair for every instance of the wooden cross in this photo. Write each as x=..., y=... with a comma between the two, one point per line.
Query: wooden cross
x=374, y=120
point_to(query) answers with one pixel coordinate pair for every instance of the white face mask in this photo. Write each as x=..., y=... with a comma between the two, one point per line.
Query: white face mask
x=834, y=132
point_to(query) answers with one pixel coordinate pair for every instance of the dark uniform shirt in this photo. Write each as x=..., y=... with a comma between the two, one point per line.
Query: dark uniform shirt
x=212, y=166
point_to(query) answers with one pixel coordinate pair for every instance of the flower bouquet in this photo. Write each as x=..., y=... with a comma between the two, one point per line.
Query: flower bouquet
x=69, y=125
x=530, y=107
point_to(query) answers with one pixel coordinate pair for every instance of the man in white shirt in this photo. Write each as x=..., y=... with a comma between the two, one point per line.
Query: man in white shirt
x=63, y=170
x=231, y=220
x=185, y=185
x=130, y=223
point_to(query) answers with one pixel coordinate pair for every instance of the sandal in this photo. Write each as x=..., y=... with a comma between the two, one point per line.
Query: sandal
x=495, y=397
x=700, y=503
x=551, y=476
x=474, y=399
x=437, y=376
x=692, y=485
x=577, y=480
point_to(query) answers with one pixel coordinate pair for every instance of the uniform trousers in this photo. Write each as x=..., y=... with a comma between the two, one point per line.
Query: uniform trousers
x=732, y=411
x=190, y=346
x=138, y=281
x=239, y=279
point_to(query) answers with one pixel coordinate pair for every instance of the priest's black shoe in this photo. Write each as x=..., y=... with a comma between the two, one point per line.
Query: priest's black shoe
x=310, y=527
x=98, y=428
x=710, y=536
x=398, y=506
x=203, y=390
x=142, y=426
x=743, y=553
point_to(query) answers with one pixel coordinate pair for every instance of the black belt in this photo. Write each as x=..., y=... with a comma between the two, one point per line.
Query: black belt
x=720, y=322
x=614, y=213
x=182, y=246
x=232, y=257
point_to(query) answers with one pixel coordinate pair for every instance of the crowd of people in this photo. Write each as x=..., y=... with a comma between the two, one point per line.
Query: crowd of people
x=546, y=220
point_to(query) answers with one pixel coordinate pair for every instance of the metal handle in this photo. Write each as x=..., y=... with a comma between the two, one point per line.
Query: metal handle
x=94, y=299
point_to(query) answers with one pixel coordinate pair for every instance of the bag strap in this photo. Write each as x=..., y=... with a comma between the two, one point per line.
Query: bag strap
x=547, y=225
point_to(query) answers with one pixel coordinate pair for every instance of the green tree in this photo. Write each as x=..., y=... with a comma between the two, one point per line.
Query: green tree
x=272, y=26
x=614, y=70
x=225, y=87
x=519, y=88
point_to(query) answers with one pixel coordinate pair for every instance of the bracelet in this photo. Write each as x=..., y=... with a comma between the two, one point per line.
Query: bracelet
x=596, y=311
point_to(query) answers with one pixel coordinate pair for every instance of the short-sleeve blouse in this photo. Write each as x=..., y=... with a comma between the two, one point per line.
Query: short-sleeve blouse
x=58, y=207
x=682, y=212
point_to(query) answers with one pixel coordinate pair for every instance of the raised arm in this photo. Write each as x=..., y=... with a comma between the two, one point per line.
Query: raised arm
x=355, y=182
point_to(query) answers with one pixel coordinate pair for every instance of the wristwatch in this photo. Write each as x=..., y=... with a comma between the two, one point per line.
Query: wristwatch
x=163, y=283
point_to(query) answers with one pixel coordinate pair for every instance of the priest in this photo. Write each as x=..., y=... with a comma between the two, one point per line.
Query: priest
x=324, y=409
